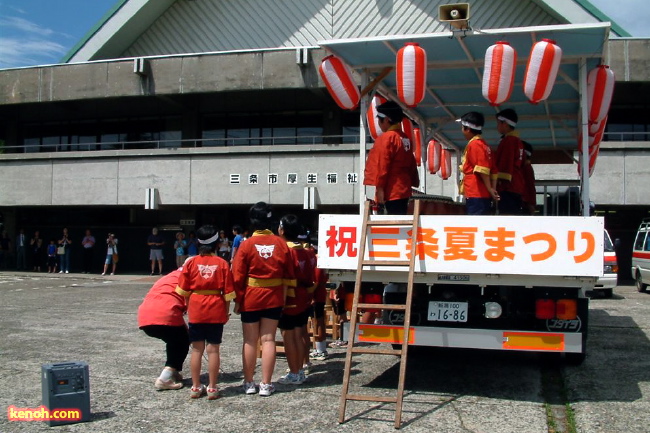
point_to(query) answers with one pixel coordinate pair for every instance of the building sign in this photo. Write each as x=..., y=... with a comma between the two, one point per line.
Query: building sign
x=292, y=178
x=312, y=178
x=565, y=246
x=253, y=179
x=352, y=178
x=273, y=178
x=234, y=179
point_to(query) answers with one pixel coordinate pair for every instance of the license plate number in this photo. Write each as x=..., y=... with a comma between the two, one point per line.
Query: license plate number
x=447, y=311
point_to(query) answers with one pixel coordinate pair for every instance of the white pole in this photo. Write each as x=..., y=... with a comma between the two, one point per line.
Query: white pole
x=584, y=158
x=362, y=141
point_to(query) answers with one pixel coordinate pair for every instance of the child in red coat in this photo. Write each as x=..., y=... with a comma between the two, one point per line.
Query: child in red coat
x=207, y=283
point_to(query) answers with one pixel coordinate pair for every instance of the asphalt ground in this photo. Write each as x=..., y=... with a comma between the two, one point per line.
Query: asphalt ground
x=75, y=317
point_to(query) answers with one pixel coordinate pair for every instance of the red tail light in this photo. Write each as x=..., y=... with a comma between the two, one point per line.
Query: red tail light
x=567, y=309
x=544, y=309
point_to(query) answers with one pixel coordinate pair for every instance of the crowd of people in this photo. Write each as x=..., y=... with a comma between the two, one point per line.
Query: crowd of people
x=274, y=283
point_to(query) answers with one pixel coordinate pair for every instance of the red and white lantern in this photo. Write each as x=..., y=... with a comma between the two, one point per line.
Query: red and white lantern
x=593, y=156
x=371, y=116
x=445, y=164
x=434, y=150
x=541, y=70
x=411, y=74
x=600, y=131
x=499, y=73
x=600, y=88
x=407, y=129
x=417, y=146
x=339, y=82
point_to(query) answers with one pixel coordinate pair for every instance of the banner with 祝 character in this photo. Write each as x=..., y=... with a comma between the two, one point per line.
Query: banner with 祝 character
x=561, y=246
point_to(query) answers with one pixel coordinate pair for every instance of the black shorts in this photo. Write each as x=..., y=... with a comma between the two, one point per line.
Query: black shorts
x=319, y=309
x=289, y=322
x=338, y=307
x=210, y=332
x=256, y=316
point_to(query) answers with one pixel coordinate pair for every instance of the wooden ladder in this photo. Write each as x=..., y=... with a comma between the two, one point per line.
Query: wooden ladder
x=356, y=305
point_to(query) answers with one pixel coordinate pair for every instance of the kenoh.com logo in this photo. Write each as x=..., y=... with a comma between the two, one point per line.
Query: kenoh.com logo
x=42, y=413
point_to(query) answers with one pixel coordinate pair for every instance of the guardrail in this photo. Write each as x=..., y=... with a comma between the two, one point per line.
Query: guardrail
x=175, y=144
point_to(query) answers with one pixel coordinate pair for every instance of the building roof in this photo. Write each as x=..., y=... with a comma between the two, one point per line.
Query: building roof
x=129, y=20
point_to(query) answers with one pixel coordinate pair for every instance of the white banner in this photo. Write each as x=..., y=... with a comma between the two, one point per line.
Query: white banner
x=521, y=245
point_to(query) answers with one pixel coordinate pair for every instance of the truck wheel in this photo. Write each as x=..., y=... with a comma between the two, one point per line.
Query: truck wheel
x=639, y=283
x=608, y=293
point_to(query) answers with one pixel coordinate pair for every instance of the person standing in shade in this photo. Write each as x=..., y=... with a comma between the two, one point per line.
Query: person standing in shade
x=111, y=254
x=64, y=259
x=88, y=243
x=391, y=166
x=36, y=244
x=236, y=243
x=5, y=248
x=156, y=243
x=21, y=251
x=192, y=245
x=508, y=162
x=180, y=249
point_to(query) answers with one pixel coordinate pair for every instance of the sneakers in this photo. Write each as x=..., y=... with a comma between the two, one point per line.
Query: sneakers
x=249, y=388
x=290, y=379
x=318, y=356
x=213, y=393
x=266, y=389
x=197, y=392
x=338, y=344
x=167, y=384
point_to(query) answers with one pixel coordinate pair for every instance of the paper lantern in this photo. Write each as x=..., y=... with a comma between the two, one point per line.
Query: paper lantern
x=417, y=146
x=541, y=70
x=600, y=88
x=407, y=129
x=434, y=149
x=598, y=135
x=593, y=156
x=445, y=164
x=595, y=127
x=339, y=82
x=411, y=74
x=371, y=117
x=499, y=73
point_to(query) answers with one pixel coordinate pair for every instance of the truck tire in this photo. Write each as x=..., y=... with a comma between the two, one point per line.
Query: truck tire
x=608, y=293
x=639, y=283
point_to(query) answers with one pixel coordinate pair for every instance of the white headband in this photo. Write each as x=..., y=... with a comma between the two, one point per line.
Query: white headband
x=209, y=241
x=508, y=121
x=469, y=125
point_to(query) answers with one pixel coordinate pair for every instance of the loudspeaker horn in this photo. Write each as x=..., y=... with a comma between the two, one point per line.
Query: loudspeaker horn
x=456, y=14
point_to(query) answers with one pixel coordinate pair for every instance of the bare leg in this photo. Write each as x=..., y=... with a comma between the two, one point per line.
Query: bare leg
x=195, y=362
x=267, y=334
x=213, y=365
x=249, y=349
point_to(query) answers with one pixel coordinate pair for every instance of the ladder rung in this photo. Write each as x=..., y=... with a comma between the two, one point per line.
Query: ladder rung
x=386, y=263
x=373, y=351
x=359, y=397
x=382, y=306
x=390, y=222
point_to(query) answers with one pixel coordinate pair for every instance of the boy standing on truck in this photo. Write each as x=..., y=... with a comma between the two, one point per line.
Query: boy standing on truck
x=391, y=166
x=476, y=163
x=509, y=160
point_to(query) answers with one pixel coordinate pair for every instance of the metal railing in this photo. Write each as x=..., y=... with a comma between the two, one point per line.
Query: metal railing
x=175, y=144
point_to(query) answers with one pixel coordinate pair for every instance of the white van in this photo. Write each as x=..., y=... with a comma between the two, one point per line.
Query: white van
x=641, y=256
x=607, y=282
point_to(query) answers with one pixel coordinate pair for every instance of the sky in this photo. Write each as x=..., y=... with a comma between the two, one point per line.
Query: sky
x=41, y=32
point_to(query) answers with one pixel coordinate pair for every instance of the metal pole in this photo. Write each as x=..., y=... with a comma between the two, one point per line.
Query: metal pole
x=362, y=141
x=584, y=157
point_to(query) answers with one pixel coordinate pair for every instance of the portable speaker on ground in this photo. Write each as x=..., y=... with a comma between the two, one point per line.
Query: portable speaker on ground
x=66, y=389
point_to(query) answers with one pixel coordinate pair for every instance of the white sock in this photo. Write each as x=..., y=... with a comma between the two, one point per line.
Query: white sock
x=166, y=375
x=321, y=346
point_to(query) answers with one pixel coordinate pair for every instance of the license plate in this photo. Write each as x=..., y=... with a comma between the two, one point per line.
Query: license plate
x=447, y=311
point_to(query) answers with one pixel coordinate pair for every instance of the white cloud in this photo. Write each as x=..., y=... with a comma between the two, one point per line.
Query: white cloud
x=26, y=26
x=29, y=52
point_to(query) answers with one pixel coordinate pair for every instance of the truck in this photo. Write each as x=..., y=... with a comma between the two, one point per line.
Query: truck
x=513, y=283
